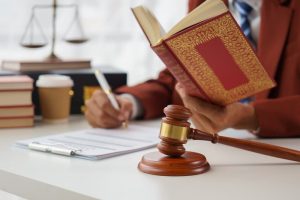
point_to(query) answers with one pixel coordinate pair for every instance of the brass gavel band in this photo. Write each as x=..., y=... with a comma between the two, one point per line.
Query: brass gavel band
x=174, y=132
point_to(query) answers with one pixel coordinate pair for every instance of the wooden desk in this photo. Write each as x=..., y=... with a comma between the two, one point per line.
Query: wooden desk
x=235, y=174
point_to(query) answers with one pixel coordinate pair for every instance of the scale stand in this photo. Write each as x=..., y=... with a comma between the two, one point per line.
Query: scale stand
x=34, y=37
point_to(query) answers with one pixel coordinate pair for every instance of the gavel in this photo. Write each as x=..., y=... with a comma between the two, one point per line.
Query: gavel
x=175, y=131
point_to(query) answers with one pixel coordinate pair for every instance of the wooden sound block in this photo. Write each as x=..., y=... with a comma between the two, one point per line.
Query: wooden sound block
x=189, y=163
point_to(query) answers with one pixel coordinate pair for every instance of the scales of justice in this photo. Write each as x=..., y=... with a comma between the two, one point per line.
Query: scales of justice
x=29, y=38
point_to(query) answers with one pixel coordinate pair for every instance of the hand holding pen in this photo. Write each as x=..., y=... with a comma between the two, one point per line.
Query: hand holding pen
x=106, y=110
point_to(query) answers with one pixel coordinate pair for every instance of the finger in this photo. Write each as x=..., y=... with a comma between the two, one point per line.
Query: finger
x=107, y=121
x=203, y=112
x=197, y=118
x=198, y=105
x=92, y=107
x=180, y=89
x=126, y=107
x=198, y=124
x=105, y=105
x=100, y=118
x=90, y=119
x=203, y=123
x=100, y=121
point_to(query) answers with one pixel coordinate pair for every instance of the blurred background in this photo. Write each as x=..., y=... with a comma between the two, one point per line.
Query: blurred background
x=114, y=36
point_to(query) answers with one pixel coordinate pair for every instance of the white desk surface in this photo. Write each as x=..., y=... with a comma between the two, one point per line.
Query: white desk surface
x=234, y=174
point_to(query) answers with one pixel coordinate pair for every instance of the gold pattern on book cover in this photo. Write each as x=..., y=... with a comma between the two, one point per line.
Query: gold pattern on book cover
x=176, y=69
x=183, y=46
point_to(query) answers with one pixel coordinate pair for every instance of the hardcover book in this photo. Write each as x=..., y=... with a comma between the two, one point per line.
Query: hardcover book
x=15, y=98
x=16, y=122
x=207, y=53
x=19, y=82
x=15, y=90
x=16, y=111
x=44, y=65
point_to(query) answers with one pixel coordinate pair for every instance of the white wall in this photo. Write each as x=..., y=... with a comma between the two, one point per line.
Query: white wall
x=115, y=38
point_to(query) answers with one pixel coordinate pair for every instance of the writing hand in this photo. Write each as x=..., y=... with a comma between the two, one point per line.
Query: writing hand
x=212, y=118
x=100, y=112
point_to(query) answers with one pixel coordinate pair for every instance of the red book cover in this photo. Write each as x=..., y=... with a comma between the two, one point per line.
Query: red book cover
x=214, y=61
x=178, y=71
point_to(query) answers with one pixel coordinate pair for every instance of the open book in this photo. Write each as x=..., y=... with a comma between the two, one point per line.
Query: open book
x=207, y=52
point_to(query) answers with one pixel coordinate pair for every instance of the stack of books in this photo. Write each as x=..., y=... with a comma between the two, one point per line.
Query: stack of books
x=16, y=108
x=84, y=80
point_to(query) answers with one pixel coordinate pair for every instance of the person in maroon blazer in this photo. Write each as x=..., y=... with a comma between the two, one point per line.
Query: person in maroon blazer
x=274, y=113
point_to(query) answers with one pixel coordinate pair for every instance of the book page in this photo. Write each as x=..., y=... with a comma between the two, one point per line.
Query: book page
x=150, y=25
x=154, y=31
x=101, y=143
x=206, y=10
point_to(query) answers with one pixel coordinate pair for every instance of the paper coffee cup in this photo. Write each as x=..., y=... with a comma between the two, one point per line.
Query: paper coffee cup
x=55, y=97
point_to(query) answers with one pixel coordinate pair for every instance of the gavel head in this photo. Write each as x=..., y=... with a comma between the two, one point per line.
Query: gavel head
x=174, y=130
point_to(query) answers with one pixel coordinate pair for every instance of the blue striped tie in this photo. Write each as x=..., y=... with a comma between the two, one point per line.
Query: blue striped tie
x=244, y=10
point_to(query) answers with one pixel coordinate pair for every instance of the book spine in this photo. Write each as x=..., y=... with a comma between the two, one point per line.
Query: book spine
x=6, y=122
x=17, y=126
x=18, y=117
x=178, y=71
x=16, y=106
x=16, y=90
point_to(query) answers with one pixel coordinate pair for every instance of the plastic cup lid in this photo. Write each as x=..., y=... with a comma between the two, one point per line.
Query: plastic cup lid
x=54, y=80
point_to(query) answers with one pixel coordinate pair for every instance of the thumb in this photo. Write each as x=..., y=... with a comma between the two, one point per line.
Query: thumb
x=181, y=91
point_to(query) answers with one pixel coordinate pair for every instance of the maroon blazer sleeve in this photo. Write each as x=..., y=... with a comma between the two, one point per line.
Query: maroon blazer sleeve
x=279, y=117
x=154, y=94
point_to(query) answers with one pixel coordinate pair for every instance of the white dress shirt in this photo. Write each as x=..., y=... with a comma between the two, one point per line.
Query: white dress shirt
x=254, y=16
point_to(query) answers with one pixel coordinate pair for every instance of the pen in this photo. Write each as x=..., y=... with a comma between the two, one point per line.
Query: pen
x=57, y=149
x=107, y=90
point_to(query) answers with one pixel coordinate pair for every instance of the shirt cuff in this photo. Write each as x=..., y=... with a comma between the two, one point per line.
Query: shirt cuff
x=137, y=109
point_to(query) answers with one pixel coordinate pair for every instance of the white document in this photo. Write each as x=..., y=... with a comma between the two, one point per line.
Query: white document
x=97, y=143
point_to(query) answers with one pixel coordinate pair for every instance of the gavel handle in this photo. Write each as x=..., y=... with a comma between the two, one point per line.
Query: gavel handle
x=258, y=147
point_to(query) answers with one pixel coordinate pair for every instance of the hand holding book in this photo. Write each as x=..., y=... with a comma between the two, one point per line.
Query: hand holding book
x=213, y=118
